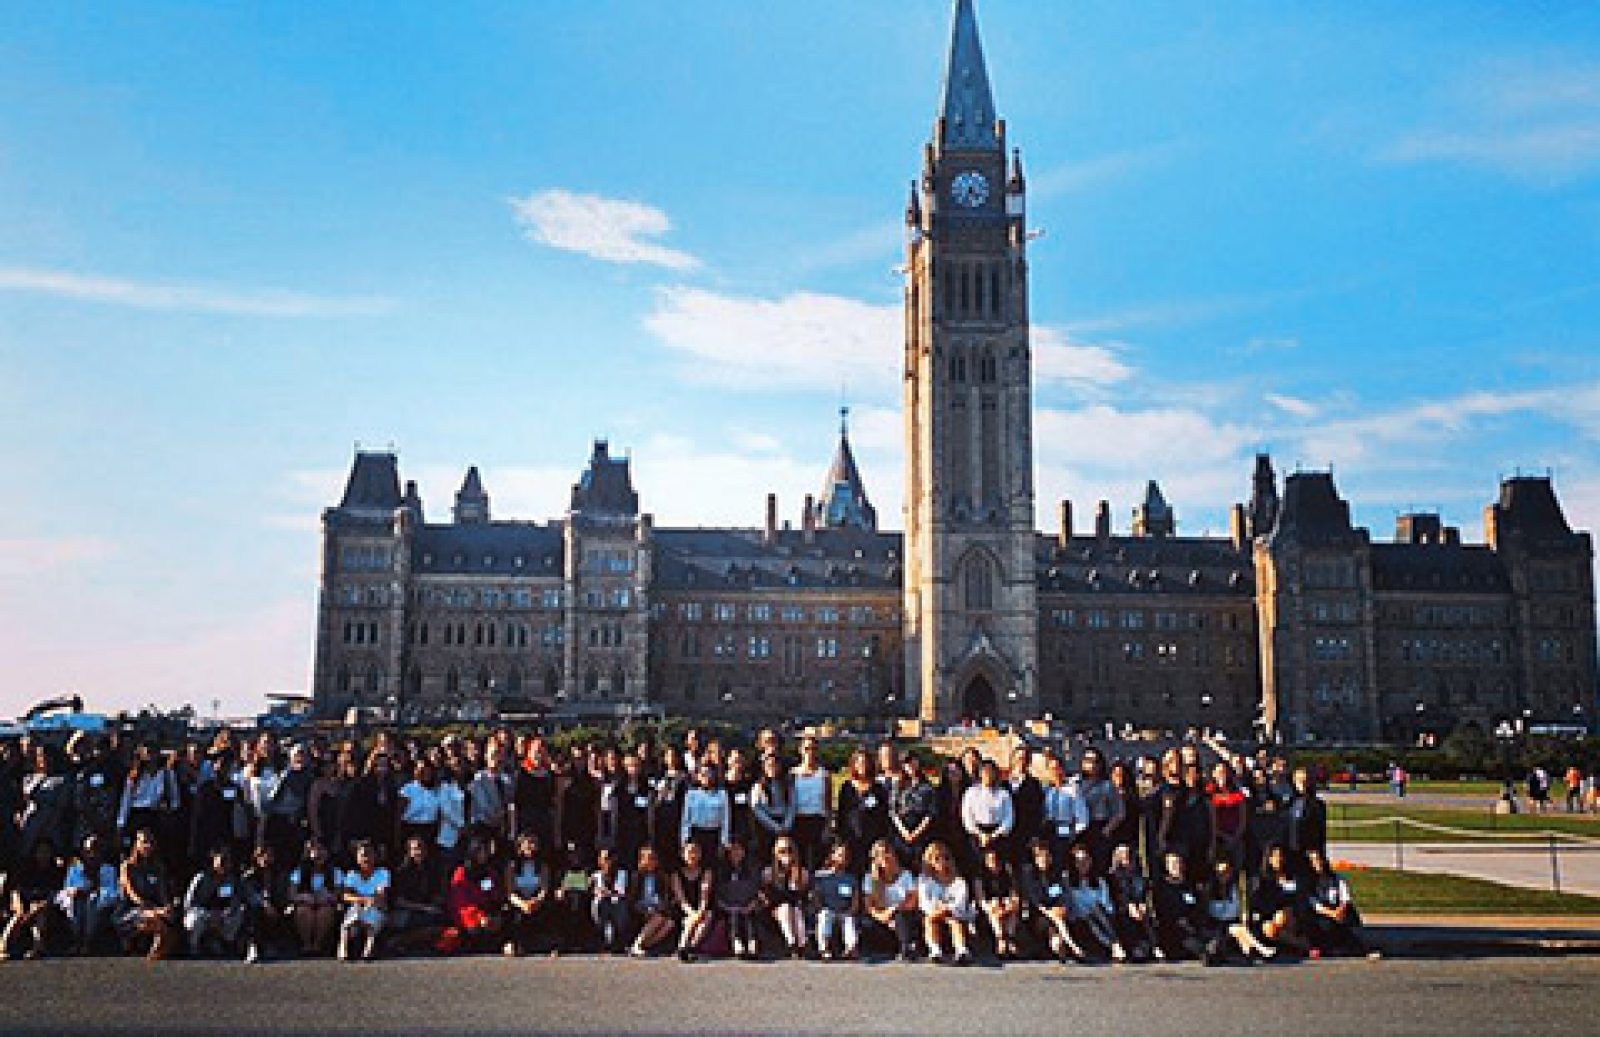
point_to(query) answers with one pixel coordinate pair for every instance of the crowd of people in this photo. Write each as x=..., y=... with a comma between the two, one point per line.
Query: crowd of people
x=250, y=848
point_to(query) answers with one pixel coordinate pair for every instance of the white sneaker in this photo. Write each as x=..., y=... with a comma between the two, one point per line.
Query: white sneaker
x=252, y=955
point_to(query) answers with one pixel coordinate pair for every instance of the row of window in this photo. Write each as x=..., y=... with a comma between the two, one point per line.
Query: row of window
x=1138, y=619
x=763, y=612
x=360, y=633
x=486, y=635
x=489, y=597
x=365, y=557
x=1333, y=612
x=759, y=647
x=608, y=560
x=1332, y=649
x=374, y=595
x=1435, y=650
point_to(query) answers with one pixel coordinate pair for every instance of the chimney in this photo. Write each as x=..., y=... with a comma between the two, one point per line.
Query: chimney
x=1236, y=528
x=1450, y=536
x=1102, y=523
x=1064, y=537
x=808, y=519
x=1491, y=526
x=771, y=532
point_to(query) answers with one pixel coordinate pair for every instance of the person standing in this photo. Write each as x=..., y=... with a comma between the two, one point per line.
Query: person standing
x=912, y=805
x=706, y=816
x=862, y=811
x=1066, y=813
x=1306, y=827
x=772, y=806
x=813, y=803
x=1027, y=805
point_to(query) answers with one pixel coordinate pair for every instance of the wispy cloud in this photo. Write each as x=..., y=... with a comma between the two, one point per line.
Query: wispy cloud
x=801, y=340
x=1536, y=123
x=610, y=229
x=818, y=341
x=1057, y=357
x=191, y=298
x=1293, y=406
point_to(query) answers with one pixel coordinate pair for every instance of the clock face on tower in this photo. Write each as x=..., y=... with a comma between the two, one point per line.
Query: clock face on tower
x=970, y=189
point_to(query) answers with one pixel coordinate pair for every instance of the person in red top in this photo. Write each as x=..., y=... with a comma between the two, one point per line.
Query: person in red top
x=1230, y=811
x=475, y=903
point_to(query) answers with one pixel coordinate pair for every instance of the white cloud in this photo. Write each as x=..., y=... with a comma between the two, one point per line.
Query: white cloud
x=34, y=556
x=1058, y=358
x=819, y=341
x=1534, y=122
x=1293, y=405
x=189, y=298
x=609, y=229
x=801, y=340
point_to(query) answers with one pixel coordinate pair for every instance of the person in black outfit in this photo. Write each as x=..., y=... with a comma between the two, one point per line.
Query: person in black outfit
x=739, y=785
x=666, y=809
x=1125, y=832
x=1193, y=830
x=371, y=811
x=533, y=796
x=629, y=823
x=1027, y=805
x=579, y=815
x=861, y=812
x=1306, y=821
x=912, y=804
x=1160, y=811
x=1180, y=912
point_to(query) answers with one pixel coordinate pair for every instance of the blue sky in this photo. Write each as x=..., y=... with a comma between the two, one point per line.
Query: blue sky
x=239, y=239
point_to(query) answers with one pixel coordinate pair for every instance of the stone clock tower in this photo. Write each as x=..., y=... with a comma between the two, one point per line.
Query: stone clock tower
x=970, y=612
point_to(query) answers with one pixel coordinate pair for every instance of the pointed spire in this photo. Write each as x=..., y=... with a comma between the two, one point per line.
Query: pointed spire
x=1154, y=518
x=966, y=109
x=844, y=496
x=1262, y=513
x=913, y=207
x=472, y=503
x=1015, y=184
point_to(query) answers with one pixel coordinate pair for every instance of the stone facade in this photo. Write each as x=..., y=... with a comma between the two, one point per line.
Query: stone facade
x=1297, y=623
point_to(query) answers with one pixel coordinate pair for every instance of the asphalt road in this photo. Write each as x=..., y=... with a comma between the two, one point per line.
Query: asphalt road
x=605, y=996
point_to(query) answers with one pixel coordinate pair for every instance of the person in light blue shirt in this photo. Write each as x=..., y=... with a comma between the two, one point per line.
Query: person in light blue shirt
x=89, y=894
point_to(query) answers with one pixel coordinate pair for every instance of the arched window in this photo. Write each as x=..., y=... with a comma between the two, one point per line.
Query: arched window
x=414, y=681
x=978, y=581
x=552, y=682
x=374, y=680
x=591, y=681
x=452, y=681
x=485, y=678
x=342, y=681
x=514, y=681
x=619, y=682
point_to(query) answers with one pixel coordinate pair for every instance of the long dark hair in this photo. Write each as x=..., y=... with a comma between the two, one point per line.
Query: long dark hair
x=305, y=869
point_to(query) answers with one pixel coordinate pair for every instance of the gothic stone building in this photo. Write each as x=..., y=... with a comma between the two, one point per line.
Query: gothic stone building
x=1297, y=621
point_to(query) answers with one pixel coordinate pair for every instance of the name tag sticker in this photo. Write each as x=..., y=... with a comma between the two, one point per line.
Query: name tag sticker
x=641, y=801
x=96, y=780
x=486, y=885
x=224, y=891
x=1064, y=830
x=230, y=794
x=1055, y=890
x=741, y=798
x=871, y=802
x=847, y=891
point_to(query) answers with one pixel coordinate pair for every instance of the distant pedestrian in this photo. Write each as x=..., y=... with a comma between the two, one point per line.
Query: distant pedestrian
x=1574, y=784
x=1397, y=780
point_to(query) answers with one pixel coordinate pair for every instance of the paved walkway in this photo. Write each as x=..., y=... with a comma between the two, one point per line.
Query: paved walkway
x=1524, y=865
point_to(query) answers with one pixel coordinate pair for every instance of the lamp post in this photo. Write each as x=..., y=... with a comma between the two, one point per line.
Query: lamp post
x=1504, y=733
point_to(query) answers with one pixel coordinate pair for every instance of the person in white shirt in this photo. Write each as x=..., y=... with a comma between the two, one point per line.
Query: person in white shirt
x=420, y=804
x=1066, y=811
x=946, y=906
x=891, y=901
x=89, y=894
x=706, y=815
x=366, y=899
x=986, y=812
x=813, y=803
x=452, y=821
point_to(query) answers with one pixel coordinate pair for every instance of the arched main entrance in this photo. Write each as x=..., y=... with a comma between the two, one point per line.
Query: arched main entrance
x=978, y=699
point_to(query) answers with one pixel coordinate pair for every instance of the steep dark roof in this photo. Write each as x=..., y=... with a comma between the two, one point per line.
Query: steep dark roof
x=472, y=485
x=606, y=486
x=1528, y=507
x=734, y=559
x=1437, y=568
x=489, y=548
x=1144, y=565
x=965, y=103
x=844, y=496
x=374, y=483
x=1312, y=511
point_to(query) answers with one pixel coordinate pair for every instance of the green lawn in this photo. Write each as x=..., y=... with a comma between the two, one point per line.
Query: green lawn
x=1381, y=891
x=1471, y=818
